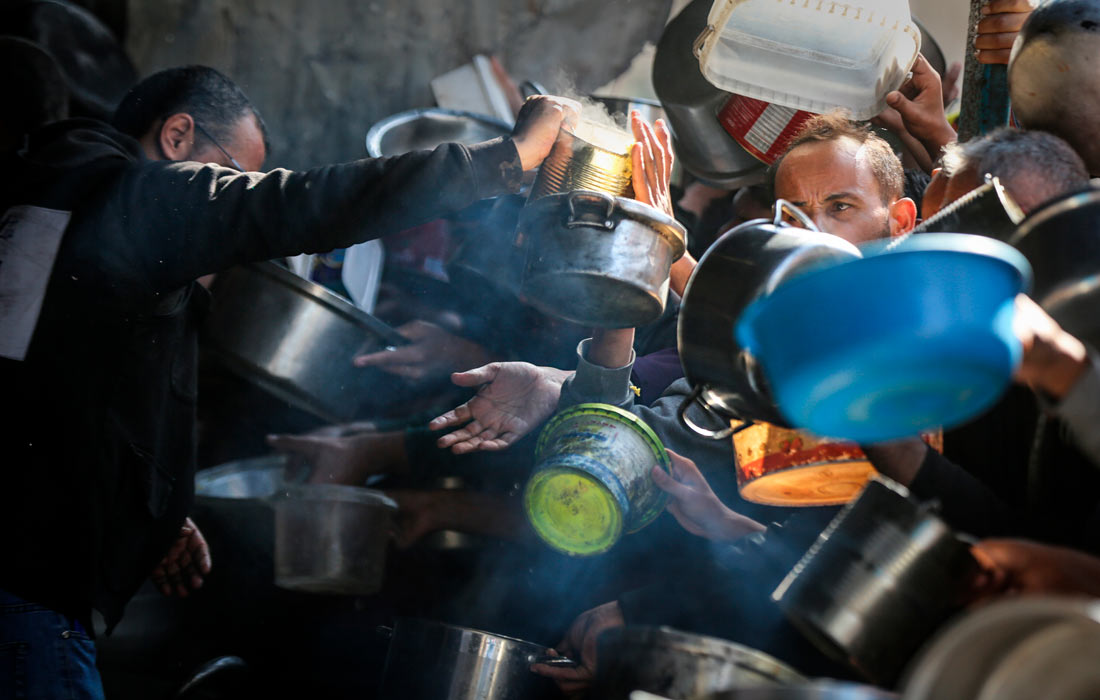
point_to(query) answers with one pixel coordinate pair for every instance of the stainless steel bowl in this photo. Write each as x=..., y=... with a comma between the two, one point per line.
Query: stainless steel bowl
x=419, y=129
x=680, y=665
x=255, y=478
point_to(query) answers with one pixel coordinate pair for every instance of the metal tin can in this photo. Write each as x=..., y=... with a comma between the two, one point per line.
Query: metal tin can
x=590, y=157
x=592, y=478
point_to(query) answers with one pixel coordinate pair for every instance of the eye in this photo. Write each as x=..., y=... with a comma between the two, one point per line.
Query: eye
x=841, y=207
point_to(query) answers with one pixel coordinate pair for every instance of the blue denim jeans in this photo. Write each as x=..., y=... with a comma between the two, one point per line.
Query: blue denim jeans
x=44, y=655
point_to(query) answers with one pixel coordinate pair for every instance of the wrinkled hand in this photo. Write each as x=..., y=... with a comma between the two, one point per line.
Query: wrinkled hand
x=915, y=113
x=343, y=459
x=1053, y=359
x=696, y=507
x=434, y=353
x=580, y=645
x=651, y=159
x=188, y=560
x=537, y=126
x=514, y=398
x=1011, y=567
x=999, y=27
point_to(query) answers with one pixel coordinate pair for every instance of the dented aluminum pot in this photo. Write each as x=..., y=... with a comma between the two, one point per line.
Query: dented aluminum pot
x=598, y=260
x=746, y=263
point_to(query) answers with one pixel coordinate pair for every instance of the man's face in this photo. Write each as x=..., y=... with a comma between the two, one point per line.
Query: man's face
x=833, y=183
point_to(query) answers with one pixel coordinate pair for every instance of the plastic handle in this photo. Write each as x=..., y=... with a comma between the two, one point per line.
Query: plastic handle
x=605, y=202
x=697, y=45
x=548, y=660
x=783, y=206
x=696, y=398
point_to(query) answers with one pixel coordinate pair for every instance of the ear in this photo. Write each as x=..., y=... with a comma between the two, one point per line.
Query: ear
x=903, y=216
x=177, y=137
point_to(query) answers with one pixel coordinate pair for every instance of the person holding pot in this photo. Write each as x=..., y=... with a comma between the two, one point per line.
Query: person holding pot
x=100, y=355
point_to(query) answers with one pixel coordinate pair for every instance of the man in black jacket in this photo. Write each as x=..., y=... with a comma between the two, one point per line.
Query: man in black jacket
x=102, y=238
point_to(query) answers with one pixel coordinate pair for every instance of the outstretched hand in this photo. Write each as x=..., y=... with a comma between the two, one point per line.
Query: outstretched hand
x=513, y=399
x=433, y=353
x=651, y=161
x=696, y=507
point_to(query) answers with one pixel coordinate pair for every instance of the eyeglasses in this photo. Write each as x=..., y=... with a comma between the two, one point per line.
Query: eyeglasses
x=217, y=145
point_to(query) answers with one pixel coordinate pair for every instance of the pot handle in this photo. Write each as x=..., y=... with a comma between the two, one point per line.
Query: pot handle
x=548, y=660
x=592, y=209
x=696, y=398
x=782, y=206
x=697, y=45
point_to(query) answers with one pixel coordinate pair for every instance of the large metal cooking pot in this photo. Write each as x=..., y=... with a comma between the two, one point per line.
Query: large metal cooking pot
x=878, y=581
x=680, y=665
x=296, y=339
x=331, y=538
x=1013, y=649
x=434, y=661
x=419, y=129
x=692, y=104
x=599, y=260
x=1062, y=242
x=745, y=263
x=988, y=210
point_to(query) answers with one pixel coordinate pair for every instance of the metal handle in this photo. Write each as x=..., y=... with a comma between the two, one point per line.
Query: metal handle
x=696, y=398
x=783, y=206
x=697, y=45
x=606, y=203
x=529, y=88
x=548, y=660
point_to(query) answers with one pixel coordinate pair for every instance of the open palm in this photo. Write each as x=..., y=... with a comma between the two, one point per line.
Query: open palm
x=514, y=398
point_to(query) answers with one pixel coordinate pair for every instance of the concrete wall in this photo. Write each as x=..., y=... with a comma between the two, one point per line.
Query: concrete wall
x=322, y=71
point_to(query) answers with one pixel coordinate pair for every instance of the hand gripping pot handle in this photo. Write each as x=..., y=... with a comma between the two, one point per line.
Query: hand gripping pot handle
x=696, y=397
x=592, y=209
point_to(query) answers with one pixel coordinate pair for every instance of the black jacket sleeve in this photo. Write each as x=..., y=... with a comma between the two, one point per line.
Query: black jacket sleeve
x=966, y=503
x=165, y=224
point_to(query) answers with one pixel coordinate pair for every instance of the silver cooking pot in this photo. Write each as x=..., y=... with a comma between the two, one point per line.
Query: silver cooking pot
x=680, y=665
x=746, y=263
x=430, y=660
x=879, y=580
x=598, y=260
x=419, y=129
x=296, y=339
x=1062, y=242
x=328, y=538
x=691, y=105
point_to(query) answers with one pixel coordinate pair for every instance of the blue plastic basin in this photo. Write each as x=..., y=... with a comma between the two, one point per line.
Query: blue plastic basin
x=900, y=341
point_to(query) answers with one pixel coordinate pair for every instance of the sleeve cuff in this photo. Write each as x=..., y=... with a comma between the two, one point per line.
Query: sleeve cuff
x=593, y=383
x=496, y=166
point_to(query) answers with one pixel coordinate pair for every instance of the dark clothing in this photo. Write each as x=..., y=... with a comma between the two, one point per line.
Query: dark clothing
x=100, y=451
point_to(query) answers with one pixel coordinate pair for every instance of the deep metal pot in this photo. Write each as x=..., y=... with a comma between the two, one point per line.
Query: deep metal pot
x=598, y=260
x=692, y=104
x=331, y=539
x=988, y=210
x=744, y=264
x=1062, y=242
x=878, y=581
x=817, y=690
x=680, y=665
x=434, y=661
x=296, y=339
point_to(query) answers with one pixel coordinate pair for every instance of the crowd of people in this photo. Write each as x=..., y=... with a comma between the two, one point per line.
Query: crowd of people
x=127, y=217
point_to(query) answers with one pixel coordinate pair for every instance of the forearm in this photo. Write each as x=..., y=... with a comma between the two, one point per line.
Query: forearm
x=210, y=218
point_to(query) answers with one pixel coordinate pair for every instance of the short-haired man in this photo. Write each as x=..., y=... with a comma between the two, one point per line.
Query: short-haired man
x=99, y=359
x=846, y=178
